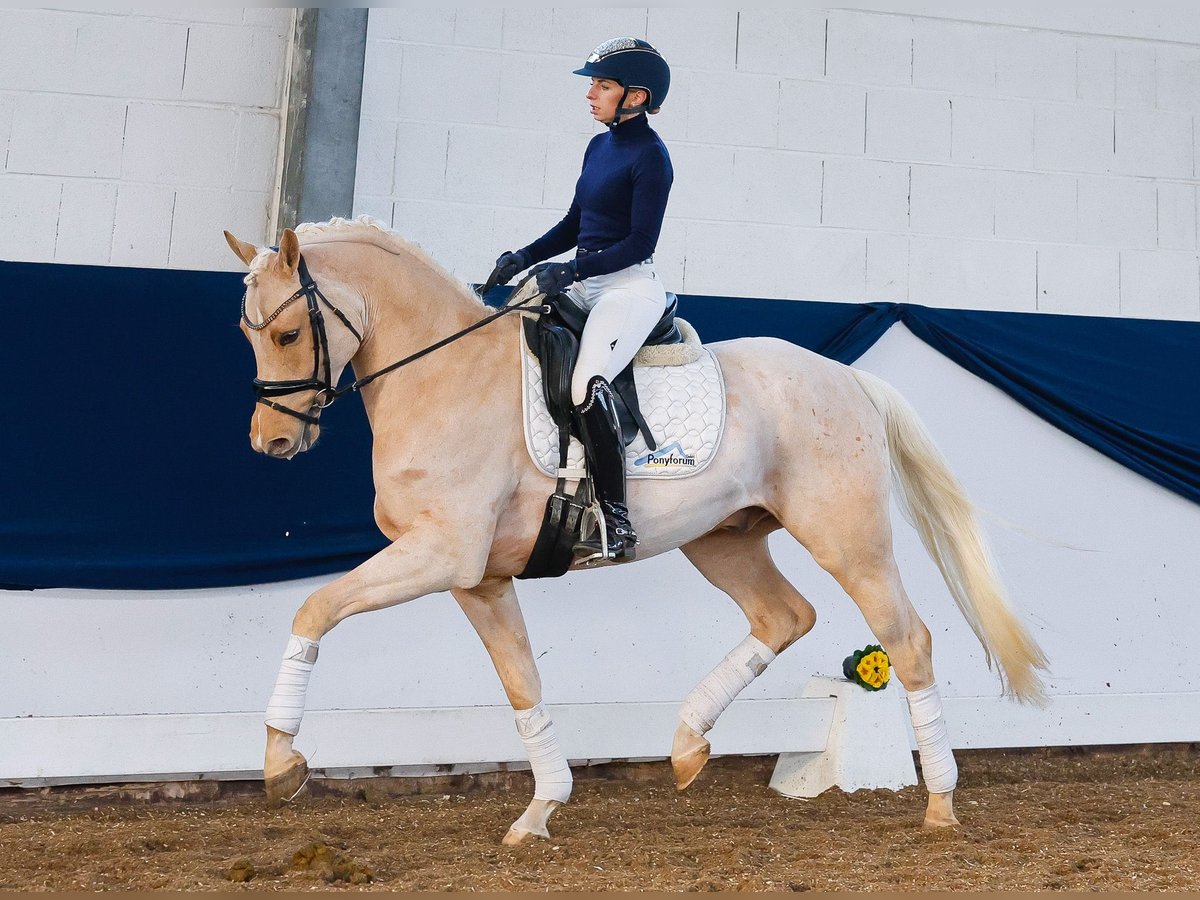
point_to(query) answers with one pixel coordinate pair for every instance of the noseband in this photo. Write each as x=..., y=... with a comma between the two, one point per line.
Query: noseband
x=322, y=376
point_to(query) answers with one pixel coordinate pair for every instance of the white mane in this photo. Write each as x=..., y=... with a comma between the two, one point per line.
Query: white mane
x=366, y=230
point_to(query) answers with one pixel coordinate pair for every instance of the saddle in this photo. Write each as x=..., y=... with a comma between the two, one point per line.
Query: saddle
x=554, y=339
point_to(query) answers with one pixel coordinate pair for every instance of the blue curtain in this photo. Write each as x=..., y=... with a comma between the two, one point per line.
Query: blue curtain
x=126, y=462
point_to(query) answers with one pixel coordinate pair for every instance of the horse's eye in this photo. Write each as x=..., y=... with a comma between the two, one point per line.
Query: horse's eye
x=289, y=337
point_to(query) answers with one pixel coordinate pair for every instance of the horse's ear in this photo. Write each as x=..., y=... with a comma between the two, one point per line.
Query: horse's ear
x=245, y=252
x=289, y=253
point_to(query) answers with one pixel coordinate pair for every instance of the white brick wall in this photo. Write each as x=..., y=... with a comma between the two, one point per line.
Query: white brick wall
x=829, y=153
x=133, y=137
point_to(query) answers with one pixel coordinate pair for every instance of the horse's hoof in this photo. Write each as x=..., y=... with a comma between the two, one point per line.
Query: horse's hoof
x=286, y=785
x=689, y=753
x=518, y=835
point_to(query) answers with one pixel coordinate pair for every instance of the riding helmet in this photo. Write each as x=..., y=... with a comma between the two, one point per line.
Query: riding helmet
x=632, y=63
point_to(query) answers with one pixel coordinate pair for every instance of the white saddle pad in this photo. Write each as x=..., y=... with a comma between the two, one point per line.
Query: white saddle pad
x=684, y=406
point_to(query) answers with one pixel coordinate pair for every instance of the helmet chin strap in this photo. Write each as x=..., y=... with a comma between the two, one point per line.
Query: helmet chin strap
x=623, y=110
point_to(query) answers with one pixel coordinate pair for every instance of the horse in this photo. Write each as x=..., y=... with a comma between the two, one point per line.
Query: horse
x=810, y=445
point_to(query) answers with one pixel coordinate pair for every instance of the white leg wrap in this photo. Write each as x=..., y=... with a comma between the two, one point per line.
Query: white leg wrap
x=286, y=706
x=933, y=743
x=551, y=774
x=712, y=696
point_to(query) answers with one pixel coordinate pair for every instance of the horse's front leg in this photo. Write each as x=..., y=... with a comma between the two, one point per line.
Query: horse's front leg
x=424, y=564
x=492, y=608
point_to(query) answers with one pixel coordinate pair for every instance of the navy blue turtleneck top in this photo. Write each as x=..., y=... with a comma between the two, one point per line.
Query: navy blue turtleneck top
x=619, y=201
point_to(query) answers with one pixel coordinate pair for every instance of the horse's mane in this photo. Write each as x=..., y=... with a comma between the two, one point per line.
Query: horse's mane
x=364, y=230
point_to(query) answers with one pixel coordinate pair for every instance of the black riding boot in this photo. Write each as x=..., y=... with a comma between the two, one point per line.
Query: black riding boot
x=605, y=451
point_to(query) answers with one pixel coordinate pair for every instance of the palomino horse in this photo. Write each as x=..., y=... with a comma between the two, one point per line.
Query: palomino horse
x=809, y=446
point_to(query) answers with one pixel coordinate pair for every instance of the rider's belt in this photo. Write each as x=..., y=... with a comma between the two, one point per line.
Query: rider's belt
x=579, y=251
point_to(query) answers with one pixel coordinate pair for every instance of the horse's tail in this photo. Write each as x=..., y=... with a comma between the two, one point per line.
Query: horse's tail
x=936, y=504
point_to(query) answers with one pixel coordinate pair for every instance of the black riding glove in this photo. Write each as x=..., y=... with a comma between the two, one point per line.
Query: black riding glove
x=554, y=278
x=509, y=265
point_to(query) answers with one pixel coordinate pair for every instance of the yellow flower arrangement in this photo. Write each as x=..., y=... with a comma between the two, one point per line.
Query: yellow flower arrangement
x=869, y=668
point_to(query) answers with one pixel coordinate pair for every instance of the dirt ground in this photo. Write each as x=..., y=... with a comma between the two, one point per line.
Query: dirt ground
x=1126, y=819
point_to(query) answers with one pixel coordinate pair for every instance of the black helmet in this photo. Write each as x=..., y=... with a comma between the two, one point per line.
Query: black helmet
x=632, y=63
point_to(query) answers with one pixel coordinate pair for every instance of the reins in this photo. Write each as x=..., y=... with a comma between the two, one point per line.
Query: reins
x=326, y=391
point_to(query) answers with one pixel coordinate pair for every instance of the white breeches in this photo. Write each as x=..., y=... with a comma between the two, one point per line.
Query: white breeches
x=625, y=306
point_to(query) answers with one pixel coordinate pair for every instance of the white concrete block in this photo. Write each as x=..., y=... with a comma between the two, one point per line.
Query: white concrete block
x=670, y=254
x=1160, y=285
x=1178, y=77
x=528, y=28
x=1078, y=281
x=826, y=118
x=124, y=57
x=268, y=16
x=1097, y=71
x=908, y=125
x=180, y=145
x=451, y=84
x=870, y=48
x=776, y=186
x=514, y=227
x=478, y=26
x=376, y=163
x=564, y=161
x=201, y=216
x=1035, y=207
x=954, y=56
x=1117, y=212
x=236, y=64
x=85, y=222
x=993, y=132
x=418, y=24
x=142, y=228
x=257, y=152
x=420, y=160
x=961, y=274
x=671, y=123
x=953, y=200
x=495, y=165
x=1149, y=142
x=37, y=50
x=1035, y=64
x=704, y=186
x=575, y=31
x=228, y=15
x=887, y=268
x=775, y=262
x=1176, y=216
x=861, y=718
x=865, y=193
x=28, y=217
x=1073, y=138
x=1136, y=78
x=706, y=37
x=547, y=82
x=382, y=70
x=782, y=41
x=57, y=134
x=457, y=235
x=8, y=106
x=750, y=101
x=378, y=207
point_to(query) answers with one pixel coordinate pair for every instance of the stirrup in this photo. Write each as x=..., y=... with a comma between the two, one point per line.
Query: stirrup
x=597, y=547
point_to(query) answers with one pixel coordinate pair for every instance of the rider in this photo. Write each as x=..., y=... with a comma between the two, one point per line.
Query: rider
x=614, y=222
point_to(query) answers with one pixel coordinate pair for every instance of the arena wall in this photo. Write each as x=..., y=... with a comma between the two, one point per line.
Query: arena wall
x=1027, y=159
x=133, y=137
x=1016, y=161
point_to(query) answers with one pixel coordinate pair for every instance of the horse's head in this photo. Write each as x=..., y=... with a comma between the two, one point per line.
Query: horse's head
x=298, y=350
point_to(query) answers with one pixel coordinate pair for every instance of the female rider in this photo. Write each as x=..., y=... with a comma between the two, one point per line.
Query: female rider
x=614, y=222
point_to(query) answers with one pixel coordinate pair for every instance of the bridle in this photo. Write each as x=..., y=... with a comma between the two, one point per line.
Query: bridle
x=321, y=380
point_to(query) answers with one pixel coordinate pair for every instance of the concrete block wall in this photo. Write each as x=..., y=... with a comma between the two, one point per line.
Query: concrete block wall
x=133, y=138
x=1026, y=162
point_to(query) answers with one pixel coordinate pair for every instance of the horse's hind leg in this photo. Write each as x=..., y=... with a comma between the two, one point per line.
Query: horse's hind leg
x=740, y=564
x=852, y=540
x=492, y=609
